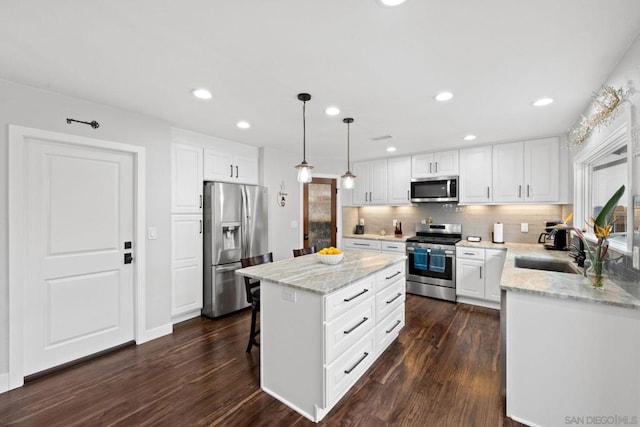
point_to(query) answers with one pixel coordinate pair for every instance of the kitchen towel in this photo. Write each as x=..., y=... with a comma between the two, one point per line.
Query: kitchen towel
x=437, y=260
x=420, y=258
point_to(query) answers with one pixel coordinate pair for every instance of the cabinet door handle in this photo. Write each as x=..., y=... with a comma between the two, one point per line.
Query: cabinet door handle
x=364, y=356
x=430, y=167
x=393, y=327
x=200, y=226
x=396, y=273
x=364, y=291
x=236, y=171
x=365, y=196
x=408, y=197
x=528, y=193
x=201, y=201
x=487, y=192
x=364, y=319
x=481, y=272
x=370, y=198
x=231, y=174
x=394, y=298
x=519, y=190
x=436, y=167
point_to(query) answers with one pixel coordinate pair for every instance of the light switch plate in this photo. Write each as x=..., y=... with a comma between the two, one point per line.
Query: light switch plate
x=152, y=233
x=524, y=227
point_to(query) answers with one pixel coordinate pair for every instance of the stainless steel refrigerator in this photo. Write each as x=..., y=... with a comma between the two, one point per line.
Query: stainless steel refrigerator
x=235, y=227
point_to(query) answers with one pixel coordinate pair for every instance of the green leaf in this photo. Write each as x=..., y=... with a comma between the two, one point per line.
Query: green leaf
x=605, y=214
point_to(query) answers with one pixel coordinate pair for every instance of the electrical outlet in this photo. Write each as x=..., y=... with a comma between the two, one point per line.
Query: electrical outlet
x=395, y=221
x=289, y=294
x=524, y=227
x=636, y=257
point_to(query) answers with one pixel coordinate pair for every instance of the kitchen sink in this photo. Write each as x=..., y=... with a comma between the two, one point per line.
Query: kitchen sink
x=545, y=264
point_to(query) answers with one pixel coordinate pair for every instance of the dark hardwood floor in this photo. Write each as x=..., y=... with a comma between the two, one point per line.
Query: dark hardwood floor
x=442, y=371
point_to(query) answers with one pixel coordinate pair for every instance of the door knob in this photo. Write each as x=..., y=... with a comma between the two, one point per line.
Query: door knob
x=128, y=258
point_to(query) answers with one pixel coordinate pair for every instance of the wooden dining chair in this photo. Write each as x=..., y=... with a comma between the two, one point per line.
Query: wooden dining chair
x=304, y=251
x=252, y=287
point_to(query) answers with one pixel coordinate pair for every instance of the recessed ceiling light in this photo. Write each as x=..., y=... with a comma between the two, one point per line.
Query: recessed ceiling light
x=469, y=137
x=444, y=96
x=391, y=2
x=243, y=125
x=391, y=149
x=332, y=111
x=543, y=101
x=201, y=93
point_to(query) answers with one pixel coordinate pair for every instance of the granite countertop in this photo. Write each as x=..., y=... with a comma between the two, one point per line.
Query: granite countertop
x=559, y=285
x=309, y=274
x=390, y=237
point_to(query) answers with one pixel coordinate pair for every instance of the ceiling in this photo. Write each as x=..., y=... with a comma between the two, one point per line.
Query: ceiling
x=380, y=65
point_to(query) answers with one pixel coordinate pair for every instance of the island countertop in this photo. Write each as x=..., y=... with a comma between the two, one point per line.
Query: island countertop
x=561, y=285
x=309, y=274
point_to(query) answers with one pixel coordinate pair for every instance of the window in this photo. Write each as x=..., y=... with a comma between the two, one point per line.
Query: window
x=602, y=166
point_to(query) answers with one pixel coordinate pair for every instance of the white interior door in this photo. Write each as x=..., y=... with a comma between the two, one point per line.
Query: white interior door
x=79, y=292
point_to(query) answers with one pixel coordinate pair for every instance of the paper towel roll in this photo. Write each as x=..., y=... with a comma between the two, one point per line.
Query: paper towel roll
x=498, y=233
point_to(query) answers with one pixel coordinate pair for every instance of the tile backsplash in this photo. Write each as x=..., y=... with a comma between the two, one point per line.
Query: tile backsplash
x=475, y=220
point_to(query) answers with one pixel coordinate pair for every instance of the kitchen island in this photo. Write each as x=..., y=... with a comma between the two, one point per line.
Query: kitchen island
x=322, y=326
x=572, y=351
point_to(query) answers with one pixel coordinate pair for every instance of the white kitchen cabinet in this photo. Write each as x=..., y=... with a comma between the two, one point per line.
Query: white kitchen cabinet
x=186, y=266
x=370, y=186
x=399, y=181
x=441, y=163
x=478, y=274
x=233, y=164
x=362, y=244
x=393, y=247
x=474, y=185
x=526, y=171
x=186, y=179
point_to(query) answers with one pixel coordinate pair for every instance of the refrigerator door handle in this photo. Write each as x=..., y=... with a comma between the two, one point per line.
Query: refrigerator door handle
x=244, y=231
x=225, y=268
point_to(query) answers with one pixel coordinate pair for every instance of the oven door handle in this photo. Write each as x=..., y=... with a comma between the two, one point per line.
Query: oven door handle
x=447, y=252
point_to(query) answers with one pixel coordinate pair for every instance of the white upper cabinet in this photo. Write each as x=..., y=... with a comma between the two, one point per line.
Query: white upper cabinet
x=399, y=181
x=474, y=185
x=427, y=165
x=186, y=177
x=526, y=171
x=233, y=164
x=370, y=186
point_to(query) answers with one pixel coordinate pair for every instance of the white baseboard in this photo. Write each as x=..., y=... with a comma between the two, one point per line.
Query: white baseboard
x=4, y=382
x=186, y=316
x=154, y=333
x=480, y=302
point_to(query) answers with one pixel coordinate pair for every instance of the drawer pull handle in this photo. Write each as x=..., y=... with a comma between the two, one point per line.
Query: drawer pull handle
x=361, y=244
x=393, y=275
x=364, y=319
x=364, y=291
x=394, y=326
x=394, y=298
x=469, y=253
x=364, y=356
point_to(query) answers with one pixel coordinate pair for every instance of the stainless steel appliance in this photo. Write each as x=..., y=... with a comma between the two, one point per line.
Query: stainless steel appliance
x=437, y=189
x=554, y=238
x=235, y=226
x=426, y=281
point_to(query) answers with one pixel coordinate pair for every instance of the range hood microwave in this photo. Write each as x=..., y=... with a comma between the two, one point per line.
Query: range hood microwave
x=437, y=189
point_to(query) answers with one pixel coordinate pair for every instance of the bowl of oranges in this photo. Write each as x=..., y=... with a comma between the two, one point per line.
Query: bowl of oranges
x=330, y=255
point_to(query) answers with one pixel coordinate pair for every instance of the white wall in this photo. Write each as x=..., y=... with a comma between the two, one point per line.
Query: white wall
x=25, y=106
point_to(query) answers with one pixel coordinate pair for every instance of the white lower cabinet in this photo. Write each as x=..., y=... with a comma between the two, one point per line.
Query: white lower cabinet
x=309, y=364
x=186, y=266
x=362, y=244
x=478, y=273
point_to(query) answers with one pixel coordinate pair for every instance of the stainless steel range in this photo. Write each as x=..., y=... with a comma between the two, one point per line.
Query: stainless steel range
x=433, y=276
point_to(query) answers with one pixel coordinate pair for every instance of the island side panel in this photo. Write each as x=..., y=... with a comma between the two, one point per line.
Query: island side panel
x=568, y=358
x=291, y=346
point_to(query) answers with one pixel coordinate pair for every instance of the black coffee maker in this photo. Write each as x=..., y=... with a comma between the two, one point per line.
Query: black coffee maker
x=553, y=238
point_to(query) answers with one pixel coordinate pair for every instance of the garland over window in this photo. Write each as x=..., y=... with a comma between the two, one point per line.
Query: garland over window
x=605, y=109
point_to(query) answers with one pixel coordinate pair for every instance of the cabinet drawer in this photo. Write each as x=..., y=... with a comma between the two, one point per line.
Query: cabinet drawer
x=393, y=247
x=389, y=299
x=342, y=332
x=350, y=296
x=367, y=245
x=390, y=275
x=389, y=328
x=348, y=368
x=470, y=253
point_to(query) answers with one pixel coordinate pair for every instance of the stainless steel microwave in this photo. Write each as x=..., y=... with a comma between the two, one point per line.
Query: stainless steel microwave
x=437, y=189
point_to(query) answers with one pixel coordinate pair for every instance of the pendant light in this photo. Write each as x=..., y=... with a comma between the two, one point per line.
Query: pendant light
x=304, y=168
x=348, y=177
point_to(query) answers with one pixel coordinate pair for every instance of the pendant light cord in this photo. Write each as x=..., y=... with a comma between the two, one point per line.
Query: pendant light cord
x=348, y=146
x=304, y=131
